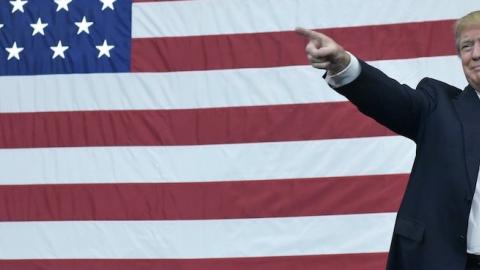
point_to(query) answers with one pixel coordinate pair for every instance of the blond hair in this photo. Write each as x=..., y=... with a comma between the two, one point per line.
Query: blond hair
x=472, y=18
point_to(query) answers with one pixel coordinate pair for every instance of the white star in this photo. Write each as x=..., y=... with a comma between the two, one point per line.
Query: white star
x=59, y=50
x=83, y=26
x=104, y=49
x=38, y=27
x=1, y=26
x=62, y=4
x=18, y=5
x=108, y=3
x=14, y=51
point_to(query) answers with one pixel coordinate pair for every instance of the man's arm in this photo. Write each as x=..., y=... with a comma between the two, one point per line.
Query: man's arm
x=394, y=105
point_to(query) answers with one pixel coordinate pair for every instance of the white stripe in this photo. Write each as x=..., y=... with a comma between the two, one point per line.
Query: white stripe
x=209, y=17
x=302, y=159
x=196, y=239
x=206, y=89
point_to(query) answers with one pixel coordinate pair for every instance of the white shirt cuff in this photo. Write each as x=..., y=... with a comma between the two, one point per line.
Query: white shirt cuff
x=346, y=76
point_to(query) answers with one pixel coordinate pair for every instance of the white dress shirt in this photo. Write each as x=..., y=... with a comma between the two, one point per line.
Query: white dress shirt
x=349, y=74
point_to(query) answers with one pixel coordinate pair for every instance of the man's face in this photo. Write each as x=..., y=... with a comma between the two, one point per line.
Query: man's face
x=470, y=54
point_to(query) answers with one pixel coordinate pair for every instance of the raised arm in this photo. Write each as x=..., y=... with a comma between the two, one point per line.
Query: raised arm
x=394, y=105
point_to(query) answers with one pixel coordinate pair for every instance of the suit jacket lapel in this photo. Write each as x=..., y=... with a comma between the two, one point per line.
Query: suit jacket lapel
x=468, y=108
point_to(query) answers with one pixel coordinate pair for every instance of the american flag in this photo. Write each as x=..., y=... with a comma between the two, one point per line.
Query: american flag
x=194, y=135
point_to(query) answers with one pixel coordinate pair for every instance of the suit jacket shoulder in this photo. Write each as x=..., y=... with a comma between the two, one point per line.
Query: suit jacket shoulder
x=435, y=87
x=397, y=106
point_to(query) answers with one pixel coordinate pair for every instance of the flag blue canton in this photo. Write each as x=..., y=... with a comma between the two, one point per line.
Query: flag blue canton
x=64, y=36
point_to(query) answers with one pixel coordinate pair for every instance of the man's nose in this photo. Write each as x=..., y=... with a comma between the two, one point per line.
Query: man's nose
x=476, y=51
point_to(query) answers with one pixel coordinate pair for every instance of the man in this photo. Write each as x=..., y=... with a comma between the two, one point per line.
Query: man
x=438, y=223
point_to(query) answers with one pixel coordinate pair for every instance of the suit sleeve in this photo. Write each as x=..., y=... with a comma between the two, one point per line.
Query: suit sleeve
x=394, y=105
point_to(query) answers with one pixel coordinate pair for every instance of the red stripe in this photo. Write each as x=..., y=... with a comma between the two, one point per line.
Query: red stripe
x=186, y=127
x=188, y=201
x=366, y=261
x=273, y=49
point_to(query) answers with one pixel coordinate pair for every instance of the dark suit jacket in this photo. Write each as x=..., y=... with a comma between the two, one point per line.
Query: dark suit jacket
x=444, y=122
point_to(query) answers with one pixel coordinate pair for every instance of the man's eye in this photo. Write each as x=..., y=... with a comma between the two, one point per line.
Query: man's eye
x=465, y=47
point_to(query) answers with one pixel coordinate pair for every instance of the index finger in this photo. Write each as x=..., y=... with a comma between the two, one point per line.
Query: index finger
x=308, y=33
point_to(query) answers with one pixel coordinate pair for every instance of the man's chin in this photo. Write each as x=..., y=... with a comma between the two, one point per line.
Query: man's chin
x=475, y=85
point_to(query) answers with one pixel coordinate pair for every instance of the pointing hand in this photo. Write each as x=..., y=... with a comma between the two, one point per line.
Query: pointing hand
x=323, y=52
